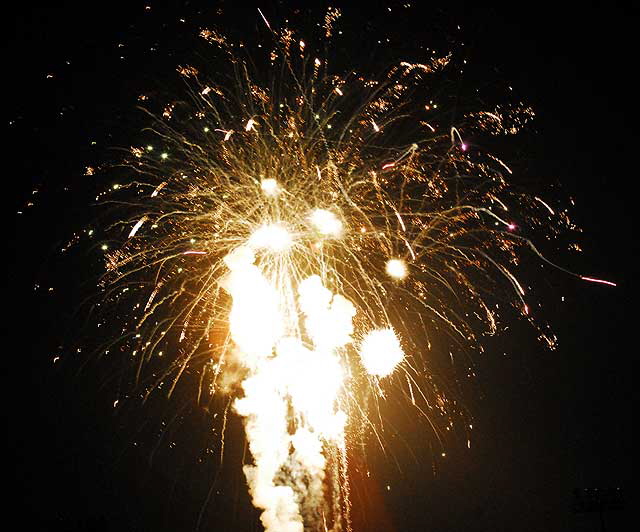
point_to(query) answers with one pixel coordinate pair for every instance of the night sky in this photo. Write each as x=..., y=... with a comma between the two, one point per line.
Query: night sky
x=545, y=422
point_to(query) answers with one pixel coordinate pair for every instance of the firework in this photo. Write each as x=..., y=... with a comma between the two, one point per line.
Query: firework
x=297, y=243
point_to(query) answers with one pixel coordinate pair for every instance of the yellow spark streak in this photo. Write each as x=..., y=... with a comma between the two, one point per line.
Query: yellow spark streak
x=400, y=220
x=547, y=206
x=264, y=18
x=497, y=200
x=158, y=189
x=227, y=133
x=501, y=163
x=594, y=280
x=137, y=226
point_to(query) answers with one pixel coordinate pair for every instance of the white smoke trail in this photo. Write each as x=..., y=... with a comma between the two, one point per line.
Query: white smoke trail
x=291, y=391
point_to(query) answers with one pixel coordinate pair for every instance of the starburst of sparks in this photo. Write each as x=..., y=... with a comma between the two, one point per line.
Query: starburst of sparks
x=298, y=243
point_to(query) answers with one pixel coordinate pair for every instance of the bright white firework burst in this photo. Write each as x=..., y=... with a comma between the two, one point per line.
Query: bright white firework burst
x=297, y=245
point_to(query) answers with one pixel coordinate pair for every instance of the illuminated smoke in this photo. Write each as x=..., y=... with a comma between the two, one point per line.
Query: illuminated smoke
x=284, y=374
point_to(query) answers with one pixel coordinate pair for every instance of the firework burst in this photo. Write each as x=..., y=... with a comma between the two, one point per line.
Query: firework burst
x=298, y=241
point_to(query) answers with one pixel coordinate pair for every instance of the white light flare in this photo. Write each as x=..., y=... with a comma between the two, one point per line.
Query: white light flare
x=381, y=352
x=397, y=268
x=273, y=237
x=269, y=186
x=326, y=222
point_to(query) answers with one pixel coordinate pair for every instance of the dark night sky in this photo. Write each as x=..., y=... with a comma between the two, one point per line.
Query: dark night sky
x=546, y=422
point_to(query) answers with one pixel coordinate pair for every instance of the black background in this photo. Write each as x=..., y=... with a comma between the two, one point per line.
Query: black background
x=545, y=422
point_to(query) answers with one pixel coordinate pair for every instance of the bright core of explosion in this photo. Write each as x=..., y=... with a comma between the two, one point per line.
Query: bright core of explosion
x=326, y=222
x=381, y=352
x=397, y=269
x=269, y=186
x=273, y=237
